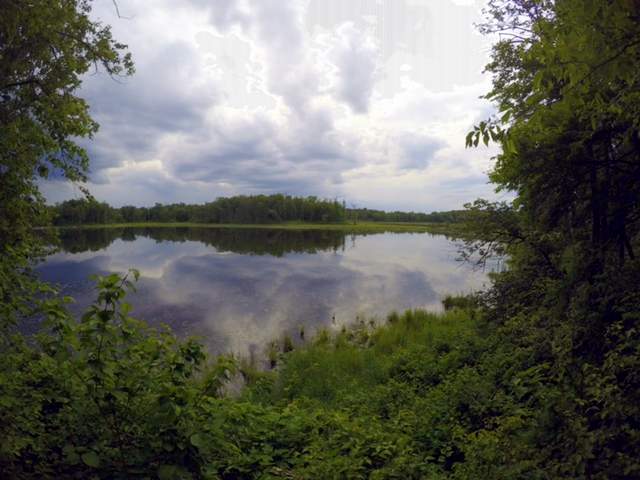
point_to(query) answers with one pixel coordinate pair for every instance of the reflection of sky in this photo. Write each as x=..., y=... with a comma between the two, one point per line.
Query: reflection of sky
x=234, y=301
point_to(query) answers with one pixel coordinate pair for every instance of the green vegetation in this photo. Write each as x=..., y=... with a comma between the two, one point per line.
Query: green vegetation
x=369, y=215
x=45, y=48
x=116, y=399
x=361, y=227
x=243, y=209
x=536, y=378
x=280, y=210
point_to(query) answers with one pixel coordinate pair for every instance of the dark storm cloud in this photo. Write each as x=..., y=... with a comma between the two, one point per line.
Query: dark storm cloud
x=158, y=114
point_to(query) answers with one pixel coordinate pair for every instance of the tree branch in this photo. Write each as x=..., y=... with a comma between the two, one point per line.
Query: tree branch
x=20, y=83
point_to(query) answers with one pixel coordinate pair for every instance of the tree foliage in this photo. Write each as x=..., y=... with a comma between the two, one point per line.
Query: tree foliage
x=567, y=86
x=257, y=209
x=45, y=49
x=567, y=90
x=368, y=214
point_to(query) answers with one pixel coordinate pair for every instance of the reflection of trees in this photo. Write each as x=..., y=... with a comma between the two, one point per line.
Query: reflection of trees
x=246, y=241
x=128, y=235
x=94, y=239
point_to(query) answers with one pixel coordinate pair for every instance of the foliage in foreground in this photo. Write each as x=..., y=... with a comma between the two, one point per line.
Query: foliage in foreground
x=568, y=95
x=508, y=391
x=108, y=397
x=423, y=396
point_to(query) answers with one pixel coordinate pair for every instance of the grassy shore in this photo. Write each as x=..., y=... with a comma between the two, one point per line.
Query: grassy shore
x=360, y=227
x=372, y=401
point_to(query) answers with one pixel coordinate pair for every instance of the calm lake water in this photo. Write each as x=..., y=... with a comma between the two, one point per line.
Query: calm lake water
x=238, y=289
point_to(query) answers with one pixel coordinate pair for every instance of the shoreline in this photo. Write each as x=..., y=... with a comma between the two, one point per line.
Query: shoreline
x=363, y=227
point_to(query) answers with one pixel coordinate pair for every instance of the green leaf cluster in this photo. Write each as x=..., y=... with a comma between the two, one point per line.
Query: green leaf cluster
x=102, y=396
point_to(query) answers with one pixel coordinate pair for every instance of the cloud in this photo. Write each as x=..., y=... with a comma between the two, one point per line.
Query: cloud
x=169, y=94
x=355, y=58
x=227, y=14
x=417, y=150
x=368, y=101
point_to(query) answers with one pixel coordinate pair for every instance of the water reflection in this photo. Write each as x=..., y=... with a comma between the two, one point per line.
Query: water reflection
x=252, y=241
x=238, y=289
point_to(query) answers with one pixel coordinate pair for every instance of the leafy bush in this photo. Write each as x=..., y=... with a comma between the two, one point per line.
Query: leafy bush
x=104, y=396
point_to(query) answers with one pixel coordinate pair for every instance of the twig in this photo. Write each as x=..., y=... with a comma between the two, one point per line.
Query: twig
x=115, y=4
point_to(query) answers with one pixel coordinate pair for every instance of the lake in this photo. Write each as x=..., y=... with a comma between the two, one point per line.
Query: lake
x=238, y=289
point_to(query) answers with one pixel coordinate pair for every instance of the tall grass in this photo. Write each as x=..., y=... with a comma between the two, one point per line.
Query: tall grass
x=332, y=368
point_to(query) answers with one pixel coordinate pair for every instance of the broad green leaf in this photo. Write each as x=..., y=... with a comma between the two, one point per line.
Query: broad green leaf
x=91, y=459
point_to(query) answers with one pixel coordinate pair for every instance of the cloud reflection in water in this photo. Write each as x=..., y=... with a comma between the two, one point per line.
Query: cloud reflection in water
x=238, y=290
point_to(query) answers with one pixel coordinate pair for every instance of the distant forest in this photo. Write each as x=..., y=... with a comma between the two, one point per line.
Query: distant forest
x=255, y=209
x=365, y=214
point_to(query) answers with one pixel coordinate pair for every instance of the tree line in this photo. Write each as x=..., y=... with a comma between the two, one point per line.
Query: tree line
x=369, y=215
x=243, y=209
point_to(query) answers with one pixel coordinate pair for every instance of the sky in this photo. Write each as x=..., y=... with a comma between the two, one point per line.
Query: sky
x=367, y=101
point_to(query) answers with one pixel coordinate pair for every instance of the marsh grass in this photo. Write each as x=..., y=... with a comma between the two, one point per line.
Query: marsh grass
x=333, y=367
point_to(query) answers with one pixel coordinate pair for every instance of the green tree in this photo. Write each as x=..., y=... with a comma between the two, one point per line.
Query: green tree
x=567, y=87
x=568, y=90
x=46, y=46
